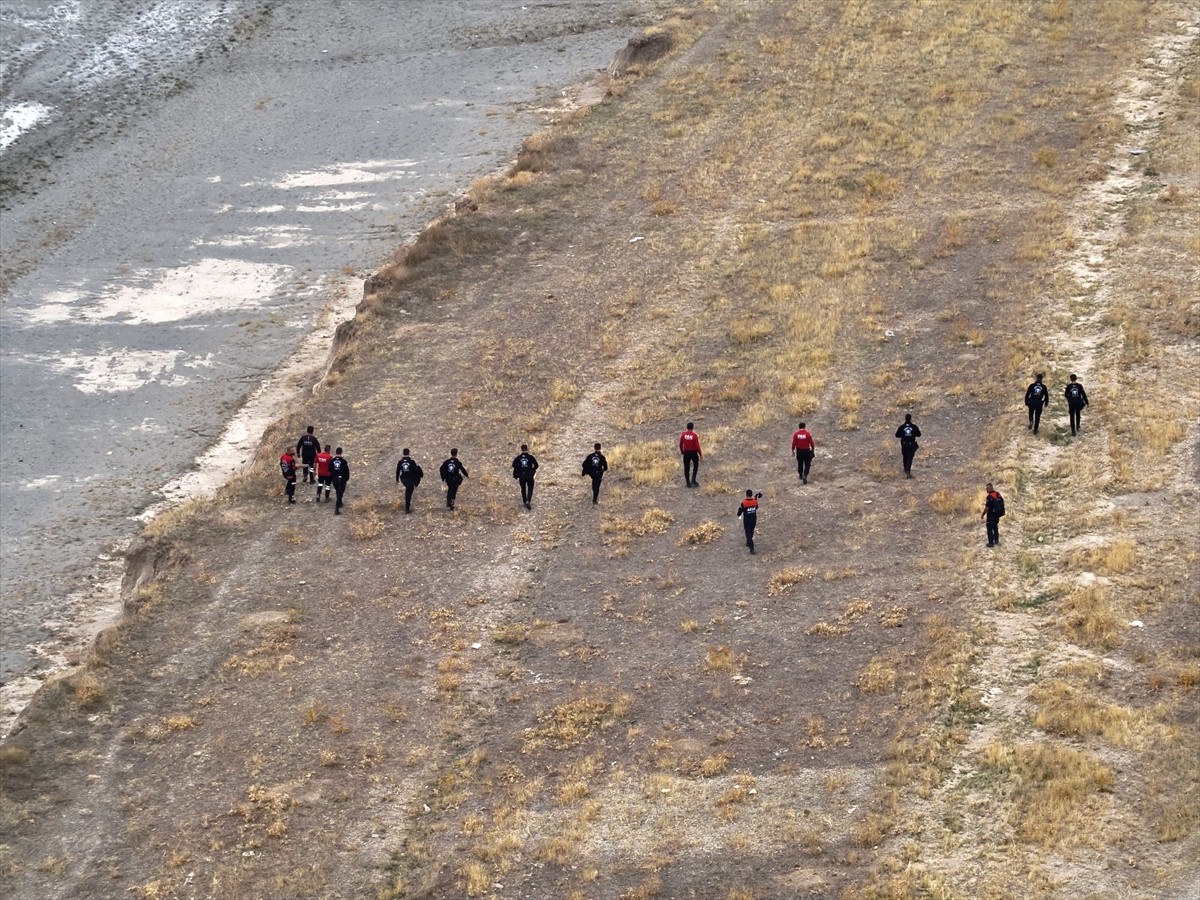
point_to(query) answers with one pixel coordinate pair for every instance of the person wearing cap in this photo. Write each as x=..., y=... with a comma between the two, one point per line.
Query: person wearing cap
x=689, y=446
x=524, y=467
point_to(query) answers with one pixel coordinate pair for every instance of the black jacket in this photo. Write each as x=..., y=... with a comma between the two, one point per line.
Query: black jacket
x=525, y=466
x=993, y=506
x=1080, y=399
x=1035, y=397
x=595, y=464
x=453, y=470
x=408, y=471
x=307, y=448
x=908, y=434
x=339, y=469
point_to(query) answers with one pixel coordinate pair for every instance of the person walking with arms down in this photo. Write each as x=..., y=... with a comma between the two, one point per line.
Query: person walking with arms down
x=804, y=447
x=908, y=434
x=453, y=472
x=993, y=509
x=307, y=447
x=1076, y=401
x=689, y=446
x=595, y=465
x=748, y=513
x=409, y=474
x=339, y=474
x=525, y=466
x=1037, y=398
x=287, y=468
x=324, y=477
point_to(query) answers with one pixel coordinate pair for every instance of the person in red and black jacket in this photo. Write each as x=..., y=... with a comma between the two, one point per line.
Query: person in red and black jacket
x=748, y=513
x=689, y=446
x=993, y=509
x=287, y=468
x=324, y=475
x=804, y=447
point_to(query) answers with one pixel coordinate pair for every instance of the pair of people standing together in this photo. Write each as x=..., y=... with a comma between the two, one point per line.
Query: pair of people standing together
x=1037, y=398
x=452, y=473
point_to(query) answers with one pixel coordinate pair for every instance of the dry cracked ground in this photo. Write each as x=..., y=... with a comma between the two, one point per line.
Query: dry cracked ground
x=836, y=212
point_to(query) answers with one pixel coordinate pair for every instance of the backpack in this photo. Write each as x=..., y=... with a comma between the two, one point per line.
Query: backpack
x=999, y=506
x=1074, y=392
x=451, y=468
x=595, y=462
x=1038, y=390
x=405, y=466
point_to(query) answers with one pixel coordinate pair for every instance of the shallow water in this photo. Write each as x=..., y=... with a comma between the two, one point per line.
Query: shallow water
x=184, y=188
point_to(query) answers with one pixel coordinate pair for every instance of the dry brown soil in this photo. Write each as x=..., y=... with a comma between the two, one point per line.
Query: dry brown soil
x=830, y=211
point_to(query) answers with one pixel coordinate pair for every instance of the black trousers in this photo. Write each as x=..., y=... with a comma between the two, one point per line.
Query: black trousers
x=452, y=491
x=1073, y=411
x=804, y=460
x=526, y=490
x=289, y=488
x=1035, y=417
x=339, y=488
x=748, y=525
x=324, y=481
x=310, y=470
x=691, y=464
x=907, y=452
x=408, y=492
x=993, y=530
x=596, y=479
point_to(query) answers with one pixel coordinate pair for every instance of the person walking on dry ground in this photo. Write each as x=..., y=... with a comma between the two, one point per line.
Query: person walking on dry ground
x=339, y=474
x=307, y=448
x=409, y=474
x=1076, y=401
x=993, y=509
x=1037, y=398
x=908, y=434
x=525, y=466
x=324, y=477
x=453, y=472
x=689, y=446
x=804, y=447
x=748, y=513
x=287, y=468
x=595, y=465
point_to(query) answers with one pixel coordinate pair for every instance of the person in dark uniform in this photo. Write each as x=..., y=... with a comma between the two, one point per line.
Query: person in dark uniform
x=453, y=472
x=993, y=509
x=804, y=447
x=689, y=446
x=748, y=513
x=595, y=465
x=324, y=477
x=287, y=468
x=908, y=434
x=1037, y=398
x=307, y=448
x=525, y=466
x=1076, y=401
x=339, y=474
x=409, y=474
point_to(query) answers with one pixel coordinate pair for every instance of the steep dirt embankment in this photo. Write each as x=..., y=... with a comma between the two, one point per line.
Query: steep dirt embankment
x=837, y=214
